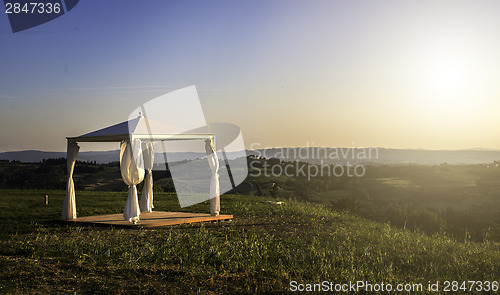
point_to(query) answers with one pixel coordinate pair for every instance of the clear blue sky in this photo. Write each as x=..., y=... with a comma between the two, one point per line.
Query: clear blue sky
x=336, y=73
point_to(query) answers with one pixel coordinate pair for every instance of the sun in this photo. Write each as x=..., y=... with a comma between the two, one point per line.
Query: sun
x=447, y=85
x=449, y=78
x=450, y=84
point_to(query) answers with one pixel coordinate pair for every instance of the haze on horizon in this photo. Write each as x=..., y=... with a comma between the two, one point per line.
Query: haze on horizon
x=337, y=73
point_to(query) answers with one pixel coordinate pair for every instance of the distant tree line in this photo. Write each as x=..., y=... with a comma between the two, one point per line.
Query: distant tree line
x=47, y=174
x=52, y=174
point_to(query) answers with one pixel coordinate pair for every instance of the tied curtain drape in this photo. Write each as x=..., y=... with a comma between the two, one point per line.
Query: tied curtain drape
x=132, y=170
x=147, y=191
x=69, y=206
x=213, y=162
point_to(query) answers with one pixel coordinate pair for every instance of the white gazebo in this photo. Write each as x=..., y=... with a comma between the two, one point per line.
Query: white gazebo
x=136, y=138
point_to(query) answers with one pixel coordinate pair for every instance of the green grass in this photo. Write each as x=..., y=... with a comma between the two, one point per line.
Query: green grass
x=260, y=251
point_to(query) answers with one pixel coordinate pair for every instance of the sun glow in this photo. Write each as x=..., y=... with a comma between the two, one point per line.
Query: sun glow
x=449, y=78
x=450, y=84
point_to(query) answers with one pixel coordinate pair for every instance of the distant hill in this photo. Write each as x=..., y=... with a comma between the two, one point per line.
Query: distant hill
x=317, y=155
x=306, y=154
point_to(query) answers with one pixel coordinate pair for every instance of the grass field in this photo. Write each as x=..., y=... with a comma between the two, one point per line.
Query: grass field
x=260, y=251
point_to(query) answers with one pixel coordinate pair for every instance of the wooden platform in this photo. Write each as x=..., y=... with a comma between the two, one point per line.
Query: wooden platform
x=152, y=219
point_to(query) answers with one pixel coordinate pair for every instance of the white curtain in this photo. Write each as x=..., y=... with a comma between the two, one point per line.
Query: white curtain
x=132, y=169
x=147, y=191
x=69, y=206
x=213, y=161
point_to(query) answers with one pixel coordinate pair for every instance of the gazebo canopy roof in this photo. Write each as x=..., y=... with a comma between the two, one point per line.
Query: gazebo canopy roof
x=140, y=128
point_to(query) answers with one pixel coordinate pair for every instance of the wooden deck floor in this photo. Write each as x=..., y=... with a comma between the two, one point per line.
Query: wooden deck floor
x=152, y=219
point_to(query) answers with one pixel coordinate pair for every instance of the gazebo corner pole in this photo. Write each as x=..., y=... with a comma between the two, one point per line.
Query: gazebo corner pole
x=69, y=205
x=217, y=198
x=215, y=202
x=72, y=171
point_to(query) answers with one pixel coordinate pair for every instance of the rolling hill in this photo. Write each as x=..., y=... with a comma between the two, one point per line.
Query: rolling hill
x=313, y=155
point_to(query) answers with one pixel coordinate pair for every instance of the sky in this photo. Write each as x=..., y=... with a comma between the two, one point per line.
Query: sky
x=395, y=74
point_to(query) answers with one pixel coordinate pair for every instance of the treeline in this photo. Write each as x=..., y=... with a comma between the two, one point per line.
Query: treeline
x=52, y=174
x=301, y=179
x=47, y=174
